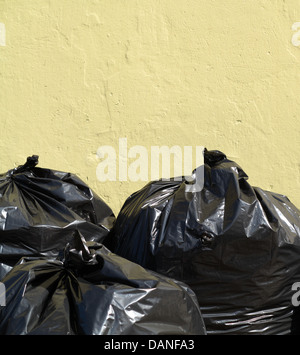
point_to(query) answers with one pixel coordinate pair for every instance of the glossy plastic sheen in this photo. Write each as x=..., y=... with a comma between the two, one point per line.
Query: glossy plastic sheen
x=237, y=246
x=92, y=291
x=41, y=208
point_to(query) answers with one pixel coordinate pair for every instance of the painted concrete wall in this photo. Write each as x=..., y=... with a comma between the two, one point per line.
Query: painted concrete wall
x=224, y=74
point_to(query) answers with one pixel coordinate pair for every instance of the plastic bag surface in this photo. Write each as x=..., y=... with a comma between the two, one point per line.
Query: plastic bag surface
x=236, y=246
x=93, y=291
x=40, y=209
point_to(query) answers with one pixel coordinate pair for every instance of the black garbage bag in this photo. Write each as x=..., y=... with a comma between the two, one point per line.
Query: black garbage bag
x=91, y=291
x=41, y=208
x=236, y=246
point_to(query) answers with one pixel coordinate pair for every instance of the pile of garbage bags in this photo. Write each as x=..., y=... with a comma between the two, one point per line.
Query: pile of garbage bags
x=92, y=291
x=226, y=255
x=58, y=277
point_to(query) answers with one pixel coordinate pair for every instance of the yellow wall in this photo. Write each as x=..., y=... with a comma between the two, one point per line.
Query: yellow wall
x=79, y=74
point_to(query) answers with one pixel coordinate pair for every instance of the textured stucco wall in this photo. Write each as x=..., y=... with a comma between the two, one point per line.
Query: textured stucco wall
x=76, y=75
